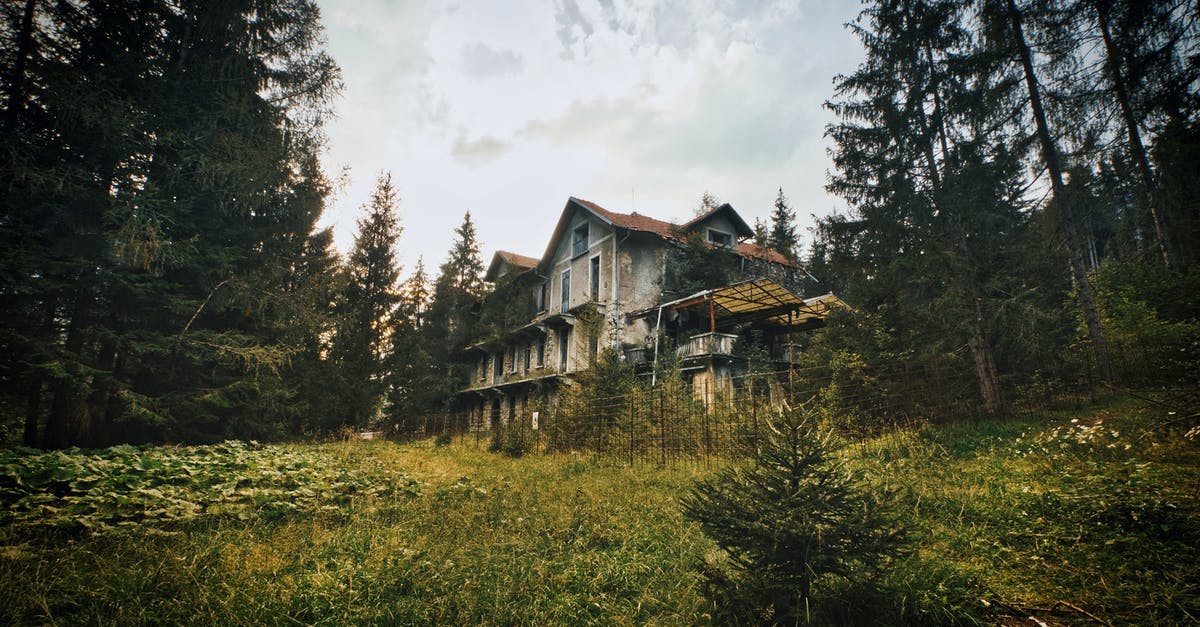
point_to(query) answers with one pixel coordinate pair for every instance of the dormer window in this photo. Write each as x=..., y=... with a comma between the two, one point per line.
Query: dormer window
x=720, y=238
x=579, y=240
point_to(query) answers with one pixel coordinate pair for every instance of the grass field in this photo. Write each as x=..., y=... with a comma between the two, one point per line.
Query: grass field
x=1096, y=511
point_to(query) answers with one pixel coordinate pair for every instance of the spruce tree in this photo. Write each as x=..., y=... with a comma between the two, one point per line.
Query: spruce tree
x=450, y=324
x=150, y=248
x=368, y=307
x=762, y=235
x=783, y=228
x=787, y=522
x=1011, y=25
x=409, y=361
x=937, y=241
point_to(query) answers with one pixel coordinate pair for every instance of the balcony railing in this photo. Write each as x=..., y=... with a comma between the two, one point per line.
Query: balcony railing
x=513, y=376
x=707, y=344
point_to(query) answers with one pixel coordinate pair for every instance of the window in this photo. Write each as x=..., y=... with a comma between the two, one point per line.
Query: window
x=512, y=365
x=595, y=275
x=541, y=352
x=497, y=367
x=564, y=340
x=720, y=238
x=566, y=290
x=539, y=296
x=525, y=353
x=593, y=347
x=579, y=240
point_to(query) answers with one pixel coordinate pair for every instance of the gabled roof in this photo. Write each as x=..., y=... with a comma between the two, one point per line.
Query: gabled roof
x=726, y=210
x=520, y=262
x=636, y=222
x=631, y=221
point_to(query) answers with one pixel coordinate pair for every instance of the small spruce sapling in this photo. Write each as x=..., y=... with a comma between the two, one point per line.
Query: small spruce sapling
x=796, y=515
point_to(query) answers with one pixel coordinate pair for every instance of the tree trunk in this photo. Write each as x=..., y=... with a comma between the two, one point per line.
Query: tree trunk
x=33, y=412
x=985, y=361
x=69, y=410
x=99, y=400
x=981, y=348
x=1083, y=287
x=1137, y=150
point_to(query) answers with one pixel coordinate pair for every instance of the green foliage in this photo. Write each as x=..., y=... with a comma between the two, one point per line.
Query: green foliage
x=159, y=489
x=506, y=307
x=783, y=237
x=794, y=519
x=161, y=192
x=450, y=322
x=1095, y=507
x=487, y=540
x=359, y=350
x=510, y=440
x=598, y=405
x=699, y=266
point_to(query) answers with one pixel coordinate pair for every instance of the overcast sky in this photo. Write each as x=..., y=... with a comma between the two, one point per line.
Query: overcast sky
x=508, y=108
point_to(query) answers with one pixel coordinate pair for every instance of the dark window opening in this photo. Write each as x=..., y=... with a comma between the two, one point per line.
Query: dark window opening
x=579, y=240
x=564, y=339
x=719, y=238
x=566, y=290
x=596, y=277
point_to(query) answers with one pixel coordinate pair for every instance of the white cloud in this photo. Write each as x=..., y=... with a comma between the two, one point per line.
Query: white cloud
x=508, y=108
x=480, y=151
x=481, y=61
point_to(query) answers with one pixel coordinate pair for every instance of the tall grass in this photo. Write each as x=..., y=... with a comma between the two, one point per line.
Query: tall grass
x=489, y=540
x=1096, y=508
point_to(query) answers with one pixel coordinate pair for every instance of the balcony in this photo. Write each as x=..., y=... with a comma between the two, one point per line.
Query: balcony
x=512, y=377
x=707, y=344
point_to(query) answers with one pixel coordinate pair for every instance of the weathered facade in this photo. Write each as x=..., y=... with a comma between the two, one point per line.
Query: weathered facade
x=617, y=281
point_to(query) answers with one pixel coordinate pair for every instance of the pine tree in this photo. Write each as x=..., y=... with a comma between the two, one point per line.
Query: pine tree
x=762, y=236
x=783, y=229
x=152, y=243
x=450, y=323
x=463, y=269
x=368, y=307
x=1010, y=27
x=915, y=119
x=793, y=518
x=409, y=361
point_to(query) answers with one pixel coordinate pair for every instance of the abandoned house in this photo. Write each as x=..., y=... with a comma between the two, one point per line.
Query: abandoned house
x=640, y=287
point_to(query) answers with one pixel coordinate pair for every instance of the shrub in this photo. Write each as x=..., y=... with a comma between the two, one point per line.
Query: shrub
x=796, y=516
x=509, y=441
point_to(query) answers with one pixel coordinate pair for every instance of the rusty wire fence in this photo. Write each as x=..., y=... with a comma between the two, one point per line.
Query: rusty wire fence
x=686, y=422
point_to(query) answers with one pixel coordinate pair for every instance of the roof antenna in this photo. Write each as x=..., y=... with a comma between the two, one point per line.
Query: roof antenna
x=632, y=200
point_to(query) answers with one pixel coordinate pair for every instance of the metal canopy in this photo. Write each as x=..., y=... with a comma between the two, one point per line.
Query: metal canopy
x=758, y=300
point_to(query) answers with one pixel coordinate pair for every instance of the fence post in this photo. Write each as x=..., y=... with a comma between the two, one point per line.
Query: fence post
x=629, y=401
x=662, y=425
x=707, y=430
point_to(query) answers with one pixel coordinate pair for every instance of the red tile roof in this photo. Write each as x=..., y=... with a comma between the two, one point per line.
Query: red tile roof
x=633, y=221
x=520, y=261
x=637, y=222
